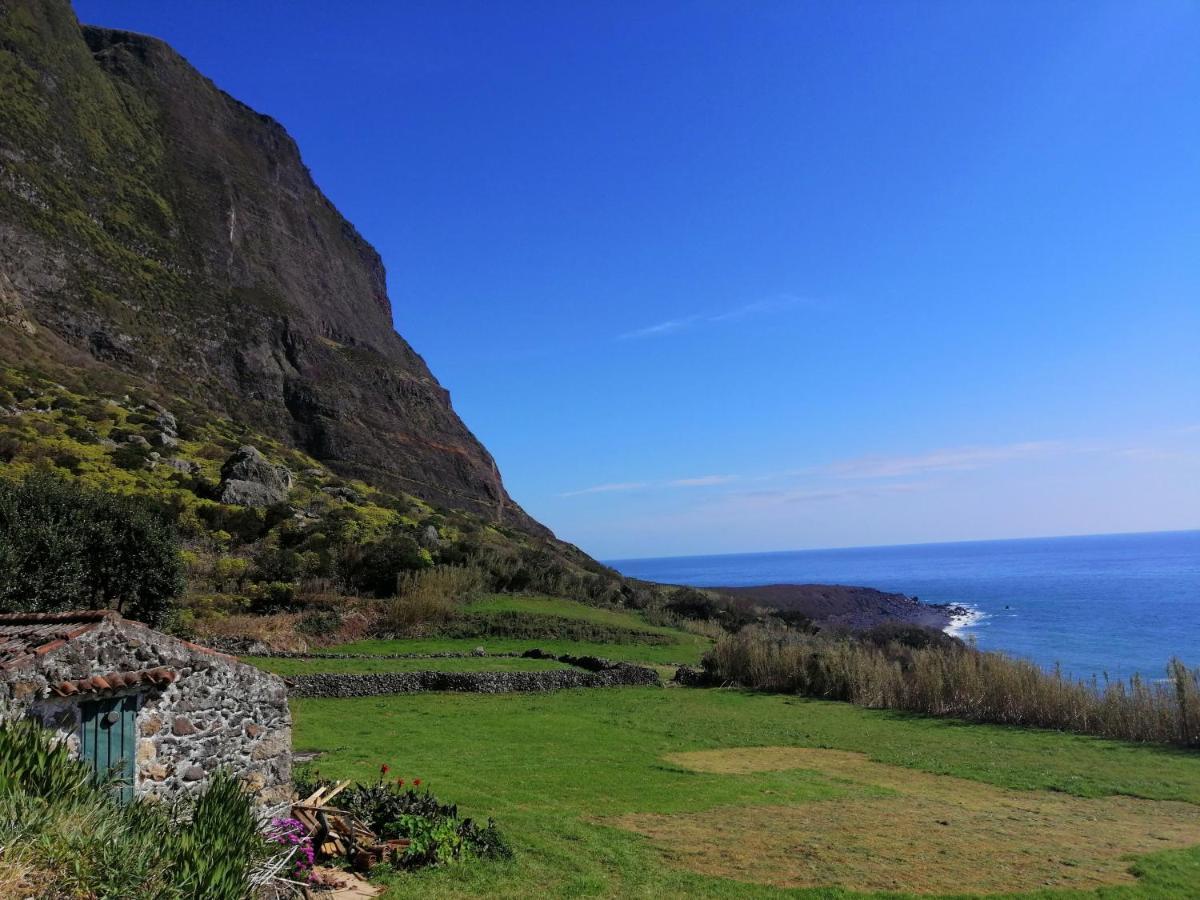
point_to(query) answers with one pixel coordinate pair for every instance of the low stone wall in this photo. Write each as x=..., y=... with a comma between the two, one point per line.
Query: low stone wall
x=471, y=682
x=444, y=654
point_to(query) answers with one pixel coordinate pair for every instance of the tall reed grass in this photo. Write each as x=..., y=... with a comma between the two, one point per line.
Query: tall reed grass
x=428, y=597
x=963, y=683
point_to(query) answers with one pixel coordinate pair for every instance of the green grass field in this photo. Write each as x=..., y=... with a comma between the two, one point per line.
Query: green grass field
x=682, y=648
x=686, y=650
x=572, y=775
x=367, y=666
x=565, y=609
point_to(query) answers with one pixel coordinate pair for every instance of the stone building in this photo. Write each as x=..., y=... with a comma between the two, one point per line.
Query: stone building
x=165, y=712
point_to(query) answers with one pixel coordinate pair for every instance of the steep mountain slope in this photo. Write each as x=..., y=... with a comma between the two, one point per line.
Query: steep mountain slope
x=151, y=224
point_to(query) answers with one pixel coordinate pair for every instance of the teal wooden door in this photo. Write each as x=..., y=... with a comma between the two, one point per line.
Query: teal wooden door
x=108, y=738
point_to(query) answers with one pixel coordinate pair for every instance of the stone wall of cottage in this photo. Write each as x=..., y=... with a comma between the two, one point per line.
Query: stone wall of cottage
x=218, y=713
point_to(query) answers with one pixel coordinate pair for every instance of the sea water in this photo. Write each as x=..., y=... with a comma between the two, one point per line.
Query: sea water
x=1096, y=605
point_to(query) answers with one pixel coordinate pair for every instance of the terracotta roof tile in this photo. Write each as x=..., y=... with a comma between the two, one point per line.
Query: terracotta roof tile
x=112, y=681
x=26, y=635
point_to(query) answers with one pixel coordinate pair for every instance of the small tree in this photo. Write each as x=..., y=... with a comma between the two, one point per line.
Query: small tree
x=65, y=547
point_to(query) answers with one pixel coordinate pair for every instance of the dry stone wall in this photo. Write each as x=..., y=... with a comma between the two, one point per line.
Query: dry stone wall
x=472, y=682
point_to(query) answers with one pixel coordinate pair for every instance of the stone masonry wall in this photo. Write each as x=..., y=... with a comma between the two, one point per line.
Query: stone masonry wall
x=474, y=682
x=218, y=713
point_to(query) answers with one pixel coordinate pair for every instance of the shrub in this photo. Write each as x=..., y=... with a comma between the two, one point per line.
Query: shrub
x=213, y=857
x=374, y=568
x=319, y=622
x=66, y=547
x=689, y=603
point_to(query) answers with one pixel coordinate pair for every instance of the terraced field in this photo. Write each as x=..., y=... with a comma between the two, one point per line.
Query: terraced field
x=679, y=792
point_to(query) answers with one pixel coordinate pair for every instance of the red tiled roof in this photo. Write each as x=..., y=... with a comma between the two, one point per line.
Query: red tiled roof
x=114, y=681
x=25, y=636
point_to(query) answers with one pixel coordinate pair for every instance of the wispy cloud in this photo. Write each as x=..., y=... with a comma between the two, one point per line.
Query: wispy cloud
x=607, y=488
x=827, y=495
x=949, y=460
x=673, y=326
x=702, y=481
x=698, y=481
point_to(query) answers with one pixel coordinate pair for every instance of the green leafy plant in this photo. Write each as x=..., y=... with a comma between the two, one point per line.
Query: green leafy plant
x=400, y=809
x=63, y=546
x=59, y=821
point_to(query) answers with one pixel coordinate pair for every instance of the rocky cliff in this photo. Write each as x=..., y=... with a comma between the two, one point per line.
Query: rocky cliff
x=152, y=224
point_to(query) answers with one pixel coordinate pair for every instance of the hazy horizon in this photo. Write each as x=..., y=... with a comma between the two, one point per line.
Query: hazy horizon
x=1038, y=537
x=706, y=277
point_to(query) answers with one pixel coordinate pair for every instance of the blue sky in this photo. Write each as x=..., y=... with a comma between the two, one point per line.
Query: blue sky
x=713, y=277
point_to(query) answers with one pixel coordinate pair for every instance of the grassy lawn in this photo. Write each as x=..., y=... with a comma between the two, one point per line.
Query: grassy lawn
x=574, y=776
x=366, y=666
x=688, y=649
x=566, y=609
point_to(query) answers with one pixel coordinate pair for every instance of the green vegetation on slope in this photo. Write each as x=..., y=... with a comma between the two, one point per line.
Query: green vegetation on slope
x=687, y=650
x=557, y=770
x=330, y=540
x=286, y=666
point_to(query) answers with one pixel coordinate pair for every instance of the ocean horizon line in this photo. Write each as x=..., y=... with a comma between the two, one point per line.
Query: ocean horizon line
x=612, y=561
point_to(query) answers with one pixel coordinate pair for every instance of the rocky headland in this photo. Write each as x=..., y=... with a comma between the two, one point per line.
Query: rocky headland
x=848, y=607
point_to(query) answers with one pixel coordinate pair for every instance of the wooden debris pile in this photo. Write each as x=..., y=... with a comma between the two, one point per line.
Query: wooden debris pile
x=338, y=833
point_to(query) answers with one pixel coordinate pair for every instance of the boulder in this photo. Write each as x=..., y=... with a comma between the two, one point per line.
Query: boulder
x=250, y=479
x=343, y=493
x=183, y=466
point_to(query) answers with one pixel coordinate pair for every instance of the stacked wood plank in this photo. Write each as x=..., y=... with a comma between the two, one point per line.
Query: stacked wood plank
x=338, y=833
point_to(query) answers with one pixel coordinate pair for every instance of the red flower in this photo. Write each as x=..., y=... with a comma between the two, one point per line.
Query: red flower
x=400, y=782
x=416, y=782
x=384, y=769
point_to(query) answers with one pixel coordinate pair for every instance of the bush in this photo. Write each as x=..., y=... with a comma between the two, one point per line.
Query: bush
x=65, y=547
x=915, y=637
x=374, y=568
x=689, y=603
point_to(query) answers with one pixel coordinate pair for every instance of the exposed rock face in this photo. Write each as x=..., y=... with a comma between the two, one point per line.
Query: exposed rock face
x=249, y=479
x=151, y=223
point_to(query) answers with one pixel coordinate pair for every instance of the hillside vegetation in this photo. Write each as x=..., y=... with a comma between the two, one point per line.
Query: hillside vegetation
x=328, y=559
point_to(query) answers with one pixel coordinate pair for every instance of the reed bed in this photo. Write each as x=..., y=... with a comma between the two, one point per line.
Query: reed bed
x=962, y=682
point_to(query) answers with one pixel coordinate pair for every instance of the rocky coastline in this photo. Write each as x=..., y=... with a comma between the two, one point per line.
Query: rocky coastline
x=851, y=608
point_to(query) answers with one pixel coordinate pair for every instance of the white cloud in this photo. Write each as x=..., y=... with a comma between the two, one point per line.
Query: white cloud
x=699, y=481
x=949, y=460
x=673, y=326
x=702, y=481
x=607, y=488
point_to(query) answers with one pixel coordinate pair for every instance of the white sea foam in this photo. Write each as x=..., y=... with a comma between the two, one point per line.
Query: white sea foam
x=969, y=619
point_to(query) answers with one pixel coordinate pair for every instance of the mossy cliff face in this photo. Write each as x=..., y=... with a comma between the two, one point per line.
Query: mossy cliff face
x=151, y=224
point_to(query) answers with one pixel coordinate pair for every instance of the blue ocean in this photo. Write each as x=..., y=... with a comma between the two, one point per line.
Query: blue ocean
x=1102, y=604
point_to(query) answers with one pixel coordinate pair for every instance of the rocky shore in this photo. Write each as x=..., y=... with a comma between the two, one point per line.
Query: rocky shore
x=851, y=608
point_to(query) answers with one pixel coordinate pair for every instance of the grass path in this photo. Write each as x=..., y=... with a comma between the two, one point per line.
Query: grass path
x=555, y=769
